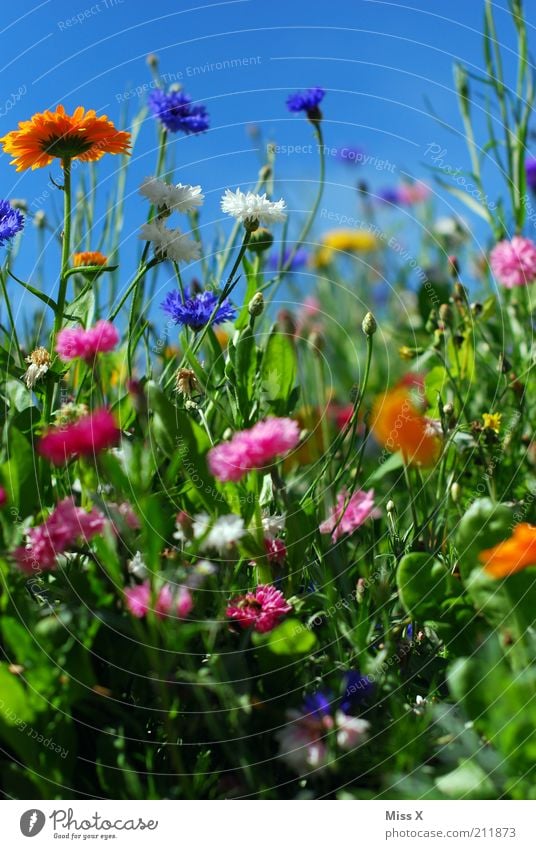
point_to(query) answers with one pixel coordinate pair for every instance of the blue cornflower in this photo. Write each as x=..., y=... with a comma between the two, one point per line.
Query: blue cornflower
x=307, y=101
x=530, y=170
x=299, y=260
x=195, y=310
x=318, y=705
x=389, y=195
x=176, y=111
x=11, y=221
x=357, y=688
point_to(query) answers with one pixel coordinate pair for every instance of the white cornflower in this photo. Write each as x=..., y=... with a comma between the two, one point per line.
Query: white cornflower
x=39, y=362
x=170, y=198
x=137, y=566
x=221, y=535
x=273, y=526
x=252, y=209
x=170, y=244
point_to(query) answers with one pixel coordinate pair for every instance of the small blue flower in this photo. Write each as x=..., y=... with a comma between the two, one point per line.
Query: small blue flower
x=299, y=260
x=357, y=688
x=176, y=111
x=318, y=705
x=307, y=101
x=530, y=170
x=11, y=221
x=389, y=196
x=195, y=310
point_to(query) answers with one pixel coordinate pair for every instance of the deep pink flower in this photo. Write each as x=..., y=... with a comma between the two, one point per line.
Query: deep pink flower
x=261, y=609
x=85, y=437
x=139, y=601
x=514, y=263
x=86, y=344
x=253, y=449
x=349, y=513
x=3, y=496
x=66, y=525
x=276, y=550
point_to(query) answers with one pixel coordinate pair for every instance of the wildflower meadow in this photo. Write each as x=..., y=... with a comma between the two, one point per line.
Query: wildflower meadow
x=268, y=476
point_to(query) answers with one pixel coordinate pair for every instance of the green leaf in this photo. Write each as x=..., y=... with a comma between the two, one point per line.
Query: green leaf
x=291, y=638
x=279, y=366
x=14, y=704
x=423, y=584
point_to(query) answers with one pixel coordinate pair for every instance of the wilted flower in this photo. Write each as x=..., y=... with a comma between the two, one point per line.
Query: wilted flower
x=171, y=198
x=186, y=382
x=252, y=209
x=39, y=363
x=170, y=244
x=261, y=609
x=514, y=263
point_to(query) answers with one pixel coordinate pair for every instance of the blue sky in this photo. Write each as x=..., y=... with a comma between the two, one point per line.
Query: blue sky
x=381, y=63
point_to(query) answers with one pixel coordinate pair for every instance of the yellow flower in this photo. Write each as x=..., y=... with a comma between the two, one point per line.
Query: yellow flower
x=492, y=421
x=345, y=241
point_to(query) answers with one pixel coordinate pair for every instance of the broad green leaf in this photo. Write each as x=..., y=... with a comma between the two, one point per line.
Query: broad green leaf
x=278, y=370
x=291, y=638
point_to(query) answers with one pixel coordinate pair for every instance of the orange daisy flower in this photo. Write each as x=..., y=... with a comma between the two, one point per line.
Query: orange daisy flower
x=89, y=258
x=399, y=426
x=512, y=554
x=48, y=135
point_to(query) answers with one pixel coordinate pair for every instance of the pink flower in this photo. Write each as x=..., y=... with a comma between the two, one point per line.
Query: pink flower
x=253, y=449
x=514, y=263
x=139, y=601
x=276, y=550
x=86, y=437
x=349, y=513
x=65, y=525
x=3, y=496
x=86, y=344
x=301, y=741
x=410, y=193
x=261, y=609
x=351, y=731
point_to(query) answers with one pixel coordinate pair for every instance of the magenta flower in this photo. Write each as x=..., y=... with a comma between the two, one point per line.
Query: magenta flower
x=84, y=438
x=276, y=550
x=138, y=600
x=349, y=513
x=66, y=525
x=253, y=448
x=261, y=609
x=73, y=343
x=514, y=263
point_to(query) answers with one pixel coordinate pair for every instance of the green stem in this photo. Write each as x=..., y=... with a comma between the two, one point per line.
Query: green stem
x=65, y=248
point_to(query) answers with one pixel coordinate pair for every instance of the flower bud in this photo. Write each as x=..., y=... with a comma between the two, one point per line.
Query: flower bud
x=261, y=240
x=152, y=60
x=256, y=305
x=390, y=506
x=455, y=492
x=445, y=314
x=369, y=325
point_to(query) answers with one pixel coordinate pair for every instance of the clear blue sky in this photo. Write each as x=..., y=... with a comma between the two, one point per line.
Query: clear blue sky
x=378, y=60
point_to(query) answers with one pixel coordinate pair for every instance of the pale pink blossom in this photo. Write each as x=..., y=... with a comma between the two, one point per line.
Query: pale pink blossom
x=253, y=448
x=514, y=263
x=86, y=344
x=166, y=601
x=301, y=741
x=351, y=730
x=349, y=513
x=261, y=610
x=66, y=525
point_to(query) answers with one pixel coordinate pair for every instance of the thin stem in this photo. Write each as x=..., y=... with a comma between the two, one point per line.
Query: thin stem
x=65, y=248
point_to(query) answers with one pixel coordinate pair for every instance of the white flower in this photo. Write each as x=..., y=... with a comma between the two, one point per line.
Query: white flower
x=420, y=705
x=137, y=567
x=452, y=228
x=170, y=198
x=221, y=535
x=170, y=244
x=301, y=745
x=273, y=526
x=248, y=207
x=351, y=731
x=39, y=362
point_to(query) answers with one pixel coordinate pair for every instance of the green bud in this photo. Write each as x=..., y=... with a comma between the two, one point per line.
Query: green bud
x=261, y=240
x=369, y=325
x=256, y=305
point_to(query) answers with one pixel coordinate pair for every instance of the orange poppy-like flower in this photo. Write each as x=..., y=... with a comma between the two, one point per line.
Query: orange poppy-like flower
x=399, y=426
x=48, y=135
x=512, y=554
x=89, y=258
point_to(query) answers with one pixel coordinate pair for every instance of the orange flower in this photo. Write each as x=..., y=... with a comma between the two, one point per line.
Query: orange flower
x=512, y=554
x=47, y=135
x=399, y=426
x=89, y=258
